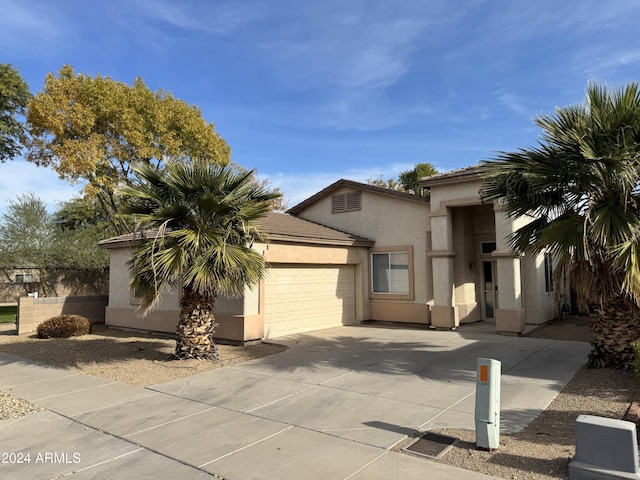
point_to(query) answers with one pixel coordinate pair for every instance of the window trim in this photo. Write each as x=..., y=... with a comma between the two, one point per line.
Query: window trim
x=408, y=249
x=24, y=278
x=133, y=300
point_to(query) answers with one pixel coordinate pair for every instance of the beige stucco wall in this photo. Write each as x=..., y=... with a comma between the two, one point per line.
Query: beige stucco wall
x=123, y=312
x=119, y=278
x=240, y=319
x=464, y=265
x=540, y=306
x=391, y=222
x=459, y=222
x=455, y=194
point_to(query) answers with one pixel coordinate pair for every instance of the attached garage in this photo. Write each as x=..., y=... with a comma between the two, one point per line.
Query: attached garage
x=302, y=298
x=315, y=280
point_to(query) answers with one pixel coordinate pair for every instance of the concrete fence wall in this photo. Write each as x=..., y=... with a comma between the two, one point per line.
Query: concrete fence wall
x=34, y=311
x=59, y=282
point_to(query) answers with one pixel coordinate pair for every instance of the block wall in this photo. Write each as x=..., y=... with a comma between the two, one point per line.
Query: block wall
x=33, y=311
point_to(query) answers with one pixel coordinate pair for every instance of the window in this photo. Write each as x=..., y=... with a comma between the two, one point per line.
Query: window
x=346, y=202
x=134, y=297
x=548, y=272
x=24, y=278
x=487, y=247
x=390, y=272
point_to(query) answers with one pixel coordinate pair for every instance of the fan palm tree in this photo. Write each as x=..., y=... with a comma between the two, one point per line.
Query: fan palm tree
x=580, y=187
x=198, y=223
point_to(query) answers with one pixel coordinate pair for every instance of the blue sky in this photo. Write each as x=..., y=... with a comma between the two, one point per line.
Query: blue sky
x=310, y=92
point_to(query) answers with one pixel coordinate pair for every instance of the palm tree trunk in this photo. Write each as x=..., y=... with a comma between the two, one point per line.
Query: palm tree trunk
x=196, y=326
x=616, y=327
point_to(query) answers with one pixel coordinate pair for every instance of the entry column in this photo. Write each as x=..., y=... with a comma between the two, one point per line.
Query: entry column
x=510, y=316
x=444, y=314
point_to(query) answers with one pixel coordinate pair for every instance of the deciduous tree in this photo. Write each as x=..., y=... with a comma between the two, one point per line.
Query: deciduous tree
x=27, y=236
x=91, y=129
x=14, y=95
x=409, y=179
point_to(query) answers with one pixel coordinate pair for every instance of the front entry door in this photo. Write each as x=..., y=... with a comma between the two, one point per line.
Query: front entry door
x=489, y=290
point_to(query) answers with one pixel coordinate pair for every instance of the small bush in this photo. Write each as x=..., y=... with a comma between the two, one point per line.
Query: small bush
x=64, y=326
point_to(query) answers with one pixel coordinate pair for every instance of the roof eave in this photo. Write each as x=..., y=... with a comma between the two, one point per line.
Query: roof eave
x=357, y=242
x=296, y=209
x=473, y=174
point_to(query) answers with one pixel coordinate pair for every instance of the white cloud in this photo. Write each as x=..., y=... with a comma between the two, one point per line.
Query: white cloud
x=18, y=177
x=513, y=102
x=603, y=61
x=218, y=17
x=366, y=111
x=346, y=49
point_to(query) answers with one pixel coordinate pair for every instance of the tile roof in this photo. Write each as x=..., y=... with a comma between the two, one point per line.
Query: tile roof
x=467, y=173
x=356, y=185
x=285, y=227
x=280, y=227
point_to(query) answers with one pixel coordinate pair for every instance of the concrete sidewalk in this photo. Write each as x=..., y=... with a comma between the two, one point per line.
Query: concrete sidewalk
x=330, y=407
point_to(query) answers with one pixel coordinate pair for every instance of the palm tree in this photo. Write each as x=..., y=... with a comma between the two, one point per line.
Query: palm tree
x=580, y=187
x=198, y=223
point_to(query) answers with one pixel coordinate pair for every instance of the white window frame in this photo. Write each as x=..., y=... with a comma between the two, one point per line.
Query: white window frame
x=391, y=295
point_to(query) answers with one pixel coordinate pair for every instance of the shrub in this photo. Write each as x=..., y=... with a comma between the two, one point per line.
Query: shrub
x=64, y=326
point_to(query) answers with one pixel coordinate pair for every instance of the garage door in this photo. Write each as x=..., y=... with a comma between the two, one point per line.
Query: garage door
x=305, y=298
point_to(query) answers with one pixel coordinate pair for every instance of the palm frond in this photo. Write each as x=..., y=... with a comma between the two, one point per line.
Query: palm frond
x=205, y=220
x=581, y=186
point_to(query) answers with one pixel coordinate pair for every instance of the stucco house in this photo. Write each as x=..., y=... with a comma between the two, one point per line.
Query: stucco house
x=355, y=252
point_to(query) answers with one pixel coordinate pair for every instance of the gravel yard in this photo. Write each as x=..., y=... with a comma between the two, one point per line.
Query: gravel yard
x=539, y=452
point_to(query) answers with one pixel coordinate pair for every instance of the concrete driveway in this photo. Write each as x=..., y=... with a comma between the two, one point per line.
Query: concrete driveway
x=330, y=407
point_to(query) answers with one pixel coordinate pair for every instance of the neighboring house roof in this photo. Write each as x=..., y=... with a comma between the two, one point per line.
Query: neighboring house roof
x=358, y=186
x=279, y=227
x=474, y=172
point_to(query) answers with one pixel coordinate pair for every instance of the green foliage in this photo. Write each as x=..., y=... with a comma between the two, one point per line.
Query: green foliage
x=14, y=95
x=80, y=212
x=64, y=326
x=26, y=233
x=407, y=180
x=391, y=183
x=8, y=313
x=79, y=248
x=92, y=129
x=581, y=186
x=199, y=221
x=82, y=223
x=31, y=237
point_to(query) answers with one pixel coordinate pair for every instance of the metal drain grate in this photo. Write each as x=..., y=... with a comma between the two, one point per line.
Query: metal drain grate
x=432, y=445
